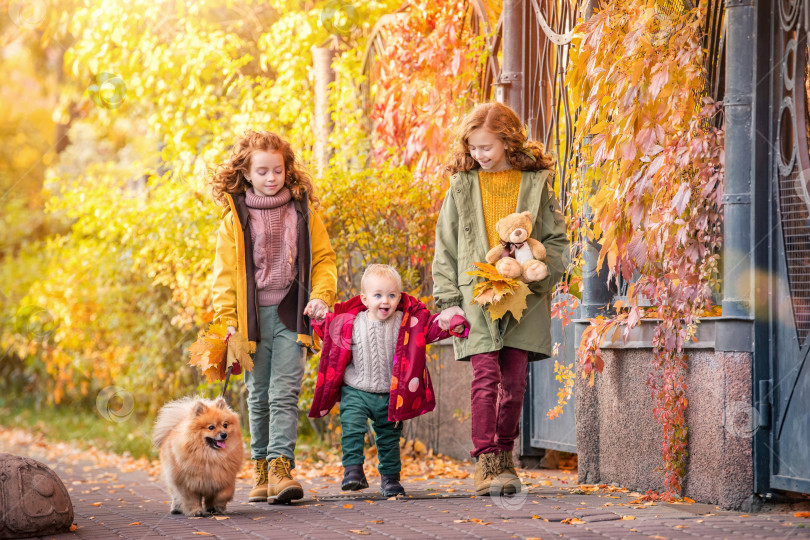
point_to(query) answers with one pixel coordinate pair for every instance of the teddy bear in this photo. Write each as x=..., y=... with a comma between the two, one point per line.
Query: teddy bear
x=517, y=255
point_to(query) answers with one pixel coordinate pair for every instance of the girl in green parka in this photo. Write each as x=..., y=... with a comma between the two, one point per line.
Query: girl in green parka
x=496, y=172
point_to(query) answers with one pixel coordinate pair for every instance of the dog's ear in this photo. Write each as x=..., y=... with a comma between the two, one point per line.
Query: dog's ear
x=220, y=402
x=199, y=408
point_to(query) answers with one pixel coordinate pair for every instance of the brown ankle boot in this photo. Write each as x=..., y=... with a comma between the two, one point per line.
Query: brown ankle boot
x=507, y=474
x=281, y=488
x=486, y=475
x=259, y=491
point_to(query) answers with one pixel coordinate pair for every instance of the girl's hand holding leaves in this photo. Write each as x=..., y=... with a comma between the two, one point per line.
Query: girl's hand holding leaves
x=216, y=350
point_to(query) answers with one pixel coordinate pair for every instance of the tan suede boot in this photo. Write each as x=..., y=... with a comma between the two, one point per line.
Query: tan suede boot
x=259, y=491
x=281, y=488
x=507, y=475
x=486, y=475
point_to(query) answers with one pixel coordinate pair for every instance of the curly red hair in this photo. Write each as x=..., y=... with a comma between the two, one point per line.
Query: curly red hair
x=231, y=177
x=522, y=154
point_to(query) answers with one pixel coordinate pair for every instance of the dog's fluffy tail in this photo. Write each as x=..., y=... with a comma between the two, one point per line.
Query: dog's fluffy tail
x=169, y=416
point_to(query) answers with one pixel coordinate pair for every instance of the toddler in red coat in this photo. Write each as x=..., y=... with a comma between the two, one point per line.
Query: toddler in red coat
x=373, y=361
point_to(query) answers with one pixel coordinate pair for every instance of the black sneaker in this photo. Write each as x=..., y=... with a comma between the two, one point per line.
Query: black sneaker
x=390, y=486
x=354, y=479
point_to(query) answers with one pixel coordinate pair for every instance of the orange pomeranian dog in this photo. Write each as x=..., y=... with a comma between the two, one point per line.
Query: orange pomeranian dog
x=200, y=454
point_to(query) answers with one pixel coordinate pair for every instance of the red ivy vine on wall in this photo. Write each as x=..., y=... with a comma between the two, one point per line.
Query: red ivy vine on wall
x=655, y=188
x=428, y=77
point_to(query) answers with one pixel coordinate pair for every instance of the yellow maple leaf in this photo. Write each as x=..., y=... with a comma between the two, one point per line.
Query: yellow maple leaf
x=208, y=352
x=484, y=297
x=218, y=329
x=212, y=374
x=486, y=271
x=238, y=352
x=515, y=303
x=502, y=287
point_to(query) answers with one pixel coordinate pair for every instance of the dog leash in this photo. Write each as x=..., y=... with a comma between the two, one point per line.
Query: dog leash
x=227, y=373
x=227, y=378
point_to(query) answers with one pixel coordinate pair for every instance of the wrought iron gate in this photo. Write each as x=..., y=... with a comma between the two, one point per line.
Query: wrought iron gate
x=782, y=375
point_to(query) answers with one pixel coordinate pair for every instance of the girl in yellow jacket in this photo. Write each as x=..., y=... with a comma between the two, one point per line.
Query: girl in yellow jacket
x=274, y=271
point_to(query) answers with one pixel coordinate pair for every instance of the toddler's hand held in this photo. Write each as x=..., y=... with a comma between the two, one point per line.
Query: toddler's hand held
x=446, y=316
x=316, y=309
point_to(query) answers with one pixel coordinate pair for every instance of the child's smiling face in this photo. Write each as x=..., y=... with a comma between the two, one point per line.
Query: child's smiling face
x=381, y=297
x=267, y=172
x=488, y=150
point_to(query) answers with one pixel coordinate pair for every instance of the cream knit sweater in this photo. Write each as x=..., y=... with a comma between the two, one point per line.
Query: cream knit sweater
x=373, y=346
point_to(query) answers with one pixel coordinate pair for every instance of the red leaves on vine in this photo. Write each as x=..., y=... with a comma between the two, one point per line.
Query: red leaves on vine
x=655, y=179
x=427, y=78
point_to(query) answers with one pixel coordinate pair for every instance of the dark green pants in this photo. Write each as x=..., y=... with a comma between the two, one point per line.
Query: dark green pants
x=356, y=407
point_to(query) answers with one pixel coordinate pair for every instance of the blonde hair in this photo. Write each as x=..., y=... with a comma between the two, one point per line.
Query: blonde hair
x=521, y=153
x=381, y=270
x=231, y=176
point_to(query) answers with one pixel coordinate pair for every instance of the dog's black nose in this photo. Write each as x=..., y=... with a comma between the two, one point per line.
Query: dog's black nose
x=223, y=436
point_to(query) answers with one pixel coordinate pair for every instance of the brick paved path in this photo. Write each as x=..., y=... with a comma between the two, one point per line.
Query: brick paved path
x=109, y=503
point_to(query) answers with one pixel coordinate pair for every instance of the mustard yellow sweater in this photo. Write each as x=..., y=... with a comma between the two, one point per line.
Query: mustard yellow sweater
x=499, y=195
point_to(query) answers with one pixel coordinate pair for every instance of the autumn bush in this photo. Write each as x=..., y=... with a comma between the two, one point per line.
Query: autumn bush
x=115, y=290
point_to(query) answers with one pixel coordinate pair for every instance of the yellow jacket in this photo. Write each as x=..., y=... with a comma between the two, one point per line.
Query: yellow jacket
x=234, y=290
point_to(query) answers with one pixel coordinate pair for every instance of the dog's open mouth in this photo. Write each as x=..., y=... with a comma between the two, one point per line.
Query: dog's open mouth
x=215, y=444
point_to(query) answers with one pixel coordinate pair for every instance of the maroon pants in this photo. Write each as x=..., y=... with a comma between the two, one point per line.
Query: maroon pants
x=496, y=399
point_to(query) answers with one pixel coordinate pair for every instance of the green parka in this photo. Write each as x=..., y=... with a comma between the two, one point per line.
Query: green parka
x=461, y=240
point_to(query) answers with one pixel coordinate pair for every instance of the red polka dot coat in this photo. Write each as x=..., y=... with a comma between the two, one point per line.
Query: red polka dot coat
x=411, y=389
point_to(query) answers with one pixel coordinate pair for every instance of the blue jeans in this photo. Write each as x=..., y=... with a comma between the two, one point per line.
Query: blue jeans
x=273, y=388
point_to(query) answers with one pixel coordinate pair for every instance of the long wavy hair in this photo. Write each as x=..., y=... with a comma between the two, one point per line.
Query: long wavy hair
x=231, y=176
x=521, y=153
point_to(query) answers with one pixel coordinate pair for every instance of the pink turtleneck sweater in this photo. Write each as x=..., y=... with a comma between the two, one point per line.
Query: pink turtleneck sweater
x=274, y=227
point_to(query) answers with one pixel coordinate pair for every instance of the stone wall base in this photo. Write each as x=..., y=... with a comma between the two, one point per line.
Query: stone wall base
x=619, y=440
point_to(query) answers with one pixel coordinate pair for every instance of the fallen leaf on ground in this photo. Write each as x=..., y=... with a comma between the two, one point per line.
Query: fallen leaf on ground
x=348, y=506
x=376, y=521
x=95, y=504
x=628, y=518
x=572, y=521
x=73, y=527
x=358, y=531
x=199, y=533
x=135, y=523
x=688, y=500
x=220, y=518
x=802, y=514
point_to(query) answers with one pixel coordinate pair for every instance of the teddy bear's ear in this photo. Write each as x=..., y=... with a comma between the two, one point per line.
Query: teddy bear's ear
x=528, y=215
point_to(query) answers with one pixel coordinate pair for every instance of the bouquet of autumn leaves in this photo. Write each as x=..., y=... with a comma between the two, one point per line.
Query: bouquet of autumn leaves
x=216, y=353
x=499, y=294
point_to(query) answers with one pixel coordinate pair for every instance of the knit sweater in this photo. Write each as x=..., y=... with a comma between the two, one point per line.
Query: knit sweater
x=499, y=195
x=274, y=228
x=373, y=345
